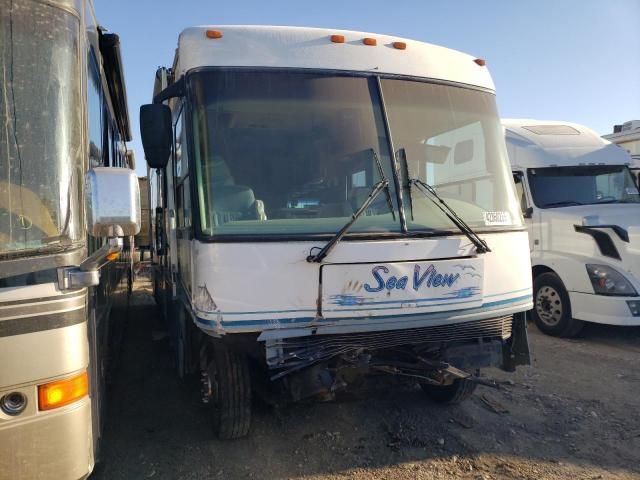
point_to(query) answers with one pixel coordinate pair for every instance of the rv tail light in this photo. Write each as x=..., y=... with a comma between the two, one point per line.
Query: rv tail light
x=399, y=45
x=214, y=34
x=62, y=392
x=480, y=61
x=337, y=38
x=372, y=42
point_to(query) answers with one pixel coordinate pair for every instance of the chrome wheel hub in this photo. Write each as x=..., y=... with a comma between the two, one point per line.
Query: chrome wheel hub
x=549, y=305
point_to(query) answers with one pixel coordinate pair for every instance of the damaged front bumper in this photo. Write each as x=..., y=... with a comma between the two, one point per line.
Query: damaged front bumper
x=494, y=342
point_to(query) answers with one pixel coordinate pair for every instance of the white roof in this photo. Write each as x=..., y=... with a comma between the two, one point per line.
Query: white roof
x=544, y=143
x=300, y=47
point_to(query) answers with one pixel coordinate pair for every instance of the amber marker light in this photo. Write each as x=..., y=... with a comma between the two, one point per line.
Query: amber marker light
x=399, y=45
x=480, y=61
x=214, y=34
x=113, y=256
x=370, y=41
x=337, y=38
x=62, y=392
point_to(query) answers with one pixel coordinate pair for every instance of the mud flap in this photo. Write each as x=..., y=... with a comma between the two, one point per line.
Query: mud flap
x=516, y=350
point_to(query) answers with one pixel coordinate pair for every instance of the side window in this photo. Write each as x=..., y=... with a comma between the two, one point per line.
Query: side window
x=94, y=107
x=183, y=193
x=518, y=178
x=106, y=135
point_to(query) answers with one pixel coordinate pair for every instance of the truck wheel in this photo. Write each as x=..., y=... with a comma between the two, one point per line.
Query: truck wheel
x=457, y=392
x=231, y=393
x=552, y=308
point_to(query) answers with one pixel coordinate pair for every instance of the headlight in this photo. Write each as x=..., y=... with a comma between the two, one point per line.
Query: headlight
x=607, y=281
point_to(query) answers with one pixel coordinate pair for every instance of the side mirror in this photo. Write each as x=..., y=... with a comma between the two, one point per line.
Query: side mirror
x=156, y=133
x=528, y=213
x=113, y=208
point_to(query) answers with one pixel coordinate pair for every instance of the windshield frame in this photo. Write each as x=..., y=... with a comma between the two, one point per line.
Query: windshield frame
x=400, y=193
x=551, y=206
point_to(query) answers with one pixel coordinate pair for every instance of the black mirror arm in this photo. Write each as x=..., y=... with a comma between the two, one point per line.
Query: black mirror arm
x=174, y=90
x=528, y=213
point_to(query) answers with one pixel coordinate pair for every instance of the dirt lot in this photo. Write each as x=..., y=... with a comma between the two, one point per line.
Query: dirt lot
x=572, y=414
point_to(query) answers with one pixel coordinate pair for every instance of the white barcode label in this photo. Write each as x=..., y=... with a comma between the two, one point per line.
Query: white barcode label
x=497, y=218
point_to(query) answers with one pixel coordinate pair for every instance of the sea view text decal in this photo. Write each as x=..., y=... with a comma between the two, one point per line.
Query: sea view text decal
x=430, y=278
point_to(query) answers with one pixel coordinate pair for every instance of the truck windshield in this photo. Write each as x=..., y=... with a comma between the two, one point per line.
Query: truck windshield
x=554, y=187
x=281, y=152
x=40, y=144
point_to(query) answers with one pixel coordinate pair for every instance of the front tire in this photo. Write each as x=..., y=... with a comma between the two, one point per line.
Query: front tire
x=231, y=395
x=552, y=308
x=459, y=391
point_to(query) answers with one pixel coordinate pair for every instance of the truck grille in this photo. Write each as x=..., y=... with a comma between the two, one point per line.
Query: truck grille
x=287, y=353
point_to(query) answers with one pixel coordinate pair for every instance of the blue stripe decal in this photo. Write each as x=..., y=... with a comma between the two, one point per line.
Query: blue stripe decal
x=343, y=310
x=298, y=320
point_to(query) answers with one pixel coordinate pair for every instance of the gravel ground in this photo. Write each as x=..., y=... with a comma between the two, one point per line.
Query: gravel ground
x=572, y=414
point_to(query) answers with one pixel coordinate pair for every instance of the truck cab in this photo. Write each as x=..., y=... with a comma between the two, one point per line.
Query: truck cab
x=582, y=210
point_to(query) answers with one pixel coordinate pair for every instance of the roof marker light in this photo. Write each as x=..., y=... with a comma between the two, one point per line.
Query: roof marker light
x=214, y=34
x=372, y=42
x=337, y=38
x=399, y=45
x=480, y=61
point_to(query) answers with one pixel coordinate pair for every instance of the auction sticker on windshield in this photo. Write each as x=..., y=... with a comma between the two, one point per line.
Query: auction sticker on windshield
x=374, y=289
x=496, y=218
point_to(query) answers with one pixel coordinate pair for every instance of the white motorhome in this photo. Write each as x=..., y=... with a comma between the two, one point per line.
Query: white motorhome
x=627, y=136
x=305, y=227
x=582, y=209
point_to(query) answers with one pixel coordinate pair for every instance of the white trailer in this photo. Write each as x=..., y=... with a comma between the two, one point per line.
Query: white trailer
x=306, y=230
x=582, y=209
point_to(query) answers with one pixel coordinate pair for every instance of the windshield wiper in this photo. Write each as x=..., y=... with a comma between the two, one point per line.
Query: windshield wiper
x=438, y=201
x=324, y=251
x=563, y=203
x=384, y=179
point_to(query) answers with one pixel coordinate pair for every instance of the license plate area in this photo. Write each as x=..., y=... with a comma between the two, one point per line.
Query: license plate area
x=398, y=288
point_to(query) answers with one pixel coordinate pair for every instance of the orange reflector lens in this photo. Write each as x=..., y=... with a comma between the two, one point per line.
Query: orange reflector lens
x=214, y=34
x=370, y=41
x=480, y=61
x=62, y=392
x=337, y=38
x=113, y=256
x=399, y=45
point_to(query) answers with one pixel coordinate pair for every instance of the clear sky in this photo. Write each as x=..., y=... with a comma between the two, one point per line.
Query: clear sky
x=574, y=60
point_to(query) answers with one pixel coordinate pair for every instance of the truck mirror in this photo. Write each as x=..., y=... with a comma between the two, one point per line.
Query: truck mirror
x=155, y=130
x=113, y=197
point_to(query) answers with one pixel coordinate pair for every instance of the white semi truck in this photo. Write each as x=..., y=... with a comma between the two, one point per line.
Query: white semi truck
x=306, y=230
x=582, y=210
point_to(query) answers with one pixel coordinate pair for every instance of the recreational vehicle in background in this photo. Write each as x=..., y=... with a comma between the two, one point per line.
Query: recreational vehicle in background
x=582, y=210
x=67, y=197
x=627, y=136
x=307, y=228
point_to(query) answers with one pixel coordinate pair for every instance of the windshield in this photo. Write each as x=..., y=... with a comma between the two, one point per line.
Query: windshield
x=294, y=153
x=284, y=153
x=582, y=185
x=450, y=138
x=40, y=142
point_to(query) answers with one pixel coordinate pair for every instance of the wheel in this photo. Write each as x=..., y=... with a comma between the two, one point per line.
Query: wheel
x=231, y=393
x=457, y=392
x=552, y=308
